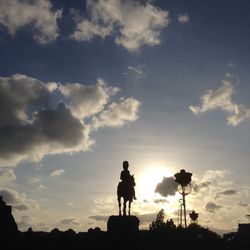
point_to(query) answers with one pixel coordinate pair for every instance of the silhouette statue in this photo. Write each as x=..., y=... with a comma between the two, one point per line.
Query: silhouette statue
x=8, y=225
x=125, y=189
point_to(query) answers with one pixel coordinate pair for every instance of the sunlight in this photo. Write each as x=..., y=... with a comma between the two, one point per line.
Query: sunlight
x=149, y=178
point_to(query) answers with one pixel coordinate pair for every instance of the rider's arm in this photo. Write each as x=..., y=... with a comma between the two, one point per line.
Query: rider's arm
x=121, y=175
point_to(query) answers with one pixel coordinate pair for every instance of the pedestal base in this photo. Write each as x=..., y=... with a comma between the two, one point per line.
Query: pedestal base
x=123, y=224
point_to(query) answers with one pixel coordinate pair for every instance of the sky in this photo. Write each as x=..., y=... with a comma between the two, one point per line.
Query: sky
x=85, y=85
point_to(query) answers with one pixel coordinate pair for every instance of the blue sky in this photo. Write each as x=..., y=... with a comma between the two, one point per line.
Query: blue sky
x=86, y=85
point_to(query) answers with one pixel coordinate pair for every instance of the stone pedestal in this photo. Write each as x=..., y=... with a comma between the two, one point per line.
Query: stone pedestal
x=123, y=224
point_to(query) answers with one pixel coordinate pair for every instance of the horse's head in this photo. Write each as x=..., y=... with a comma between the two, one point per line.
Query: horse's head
x=132, y=180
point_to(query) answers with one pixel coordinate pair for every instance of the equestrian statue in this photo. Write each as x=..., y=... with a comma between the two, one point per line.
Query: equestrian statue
x=125, y=189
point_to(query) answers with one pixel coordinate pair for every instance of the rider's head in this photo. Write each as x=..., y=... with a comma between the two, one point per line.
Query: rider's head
x=125, y=165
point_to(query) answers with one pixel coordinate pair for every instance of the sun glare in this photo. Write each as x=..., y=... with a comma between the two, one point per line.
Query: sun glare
x=149, y=178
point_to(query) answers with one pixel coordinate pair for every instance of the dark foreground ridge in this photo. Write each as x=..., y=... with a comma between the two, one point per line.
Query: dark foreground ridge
x=123, y=233
x=192, y=237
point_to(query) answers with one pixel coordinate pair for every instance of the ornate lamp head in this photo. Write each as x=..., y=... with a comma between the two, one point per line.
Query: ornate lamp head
x=194, y=215
x=183, y=178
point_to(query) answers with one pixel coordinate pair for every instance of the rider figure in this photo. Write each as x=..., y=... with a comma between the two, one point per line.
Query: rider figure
x=125, y=175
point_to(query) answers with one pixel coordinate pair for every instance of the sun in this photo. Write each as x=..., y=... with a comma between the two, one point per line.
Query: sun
x=149, y=178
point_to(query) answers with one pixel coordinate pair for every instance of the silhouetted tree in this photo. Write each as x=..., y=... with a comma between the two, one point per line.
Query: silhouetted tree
x=159, y=222
x=170, y=224
x=97, y=229
x=55, y=231
x=70, y=232
x=90, y=230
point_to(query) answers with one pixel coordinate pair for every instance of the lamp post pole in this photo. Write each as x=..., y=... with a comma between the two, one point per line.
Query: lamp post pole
x=183, y=178
x=184, y=206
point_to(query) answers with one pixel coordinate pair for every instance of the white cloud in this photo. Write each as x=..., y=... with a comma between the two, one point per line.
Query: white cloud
x=16, y=14
x=25, y=222
x=6, y=175
x=87, y=30
x=31, y=127
x=57, y=172
x=183, y=18
x=118, y=113
x=71, y=204
x=139, y=69
x=86, y=100
x=211, y=175
x=34, y=179
x=41, y=187
x=218, y=199
x=221, y=99
x=132, y=23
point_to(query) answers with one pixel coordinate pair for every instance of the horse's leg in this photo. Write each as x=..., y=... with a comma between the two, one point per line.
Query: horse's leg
x=129, y=206
x=119, y=204
x=124, y=207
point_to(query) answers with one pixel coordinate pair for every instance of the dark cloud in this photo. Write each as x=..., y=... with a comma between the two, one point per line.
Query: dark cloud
x=196, y=187
x=17, y=200
x=167, y=187
x=17, y=94
x=227, y=192
x=51, y=131
x=39, y=118
x=160, y=201
x=59, y=126
x=243, y=204
x=99, y=217
x=212, y=207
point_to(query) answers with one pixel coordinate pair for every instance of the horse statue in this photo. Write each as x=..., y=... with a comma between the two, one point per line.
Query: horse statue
x=125, y=190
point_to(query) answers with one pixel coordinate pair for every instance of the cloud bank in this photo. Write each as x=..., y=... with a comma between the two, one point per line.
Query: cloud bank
x=221, y=99
x=40, y=118
x=132, y=23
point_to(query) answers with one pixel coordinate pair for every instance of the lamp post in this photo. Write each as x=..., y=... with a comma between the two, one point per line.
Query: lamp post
x=183, y=178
